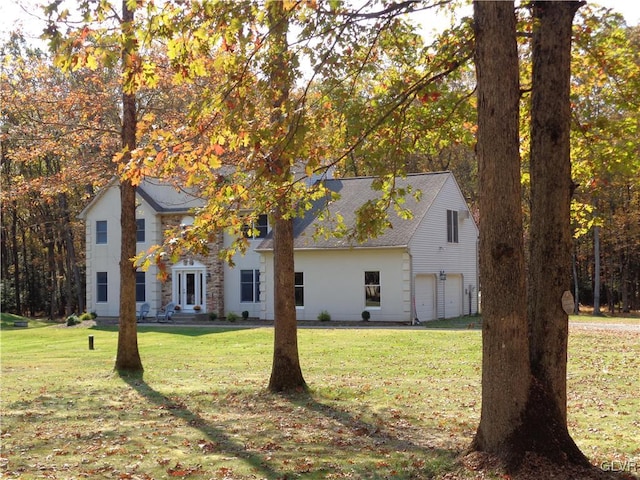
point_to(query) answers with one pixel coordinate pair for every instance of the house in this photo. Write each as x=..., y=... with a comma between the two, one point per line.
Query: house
x=424, y=268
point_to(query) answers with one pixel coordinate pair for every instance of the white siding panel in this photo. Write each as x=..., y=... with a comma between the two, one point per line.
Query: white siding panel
x=432, y=253
x=334, y=281
x=106, y=257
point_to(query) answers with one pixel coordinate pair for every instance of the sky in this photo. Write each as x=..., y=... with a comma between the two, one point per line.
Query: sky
x=24, y=14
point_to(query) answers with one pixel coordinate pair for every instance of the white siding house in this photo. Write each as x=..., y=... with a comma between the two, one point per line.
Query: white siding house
x=424, y=268
x=156, y=202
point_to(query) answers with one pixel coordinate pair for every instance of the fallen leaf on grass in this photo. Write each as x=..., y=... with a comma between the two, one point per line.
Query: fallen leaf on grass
x=207, y=447
x=181, y=471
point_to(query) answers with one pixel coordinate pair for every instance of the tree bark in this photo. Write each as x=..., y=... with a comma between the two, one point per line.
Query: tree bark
x=128, y=357
x=505, y=365
x=550, y=238
x=286, y=373
x=545, y=430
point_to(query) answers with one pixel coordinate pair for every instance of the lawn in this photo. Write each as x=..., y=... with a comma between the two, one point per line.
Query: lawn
x=383, y=403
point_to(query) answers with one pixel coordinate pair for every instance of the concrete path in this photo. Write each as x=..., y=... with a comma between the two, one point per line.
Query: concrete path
x=621, y=327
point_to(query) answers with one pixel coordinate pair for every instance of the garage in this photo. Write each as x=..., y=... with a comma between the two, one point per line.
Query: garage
x=452, y=290
x=425, y=295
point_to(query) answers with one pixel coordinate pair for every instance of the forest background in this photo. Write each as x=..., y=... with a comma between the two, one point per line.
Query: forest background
x=60, y=134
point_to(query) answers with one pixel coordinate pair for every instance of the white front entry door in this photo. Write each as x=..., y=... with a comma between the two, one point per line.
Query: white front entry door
x=189, y=288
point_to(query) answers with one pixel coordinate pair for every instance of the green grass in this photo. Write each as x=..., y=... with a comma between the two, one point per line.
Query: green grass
x=383, y=403
x=467, y=322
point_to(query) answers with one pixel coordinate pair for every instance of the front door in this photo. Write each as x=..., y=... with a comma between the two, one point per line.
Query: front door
x=189, y=289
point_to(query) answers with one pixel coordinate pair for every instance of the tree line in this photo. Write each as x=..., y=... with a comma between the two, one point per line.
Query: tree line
x=60, y=132
x=190, y=91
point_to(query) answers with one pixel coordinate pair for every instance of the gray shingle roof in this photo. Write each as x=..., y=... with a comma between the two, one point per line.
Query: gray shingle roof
x=166, y=198
x=354, y=192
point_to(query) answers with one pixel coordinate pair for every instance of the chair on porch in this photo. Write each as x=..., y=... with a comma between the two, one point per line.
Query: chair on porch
x=165, y=314
x=143, y=312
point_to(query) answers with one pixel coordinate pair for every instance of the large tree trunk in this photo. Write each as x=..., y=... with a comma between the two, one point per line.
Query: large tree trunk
x=505, y=362
x=550, y=238
x=128, y=357
x=285, y=371
x=545, y=431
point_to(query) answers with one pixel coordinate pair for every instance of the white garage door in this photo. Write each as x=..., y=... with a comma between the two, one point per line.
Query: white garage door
x=452, y=296
x=425, y=297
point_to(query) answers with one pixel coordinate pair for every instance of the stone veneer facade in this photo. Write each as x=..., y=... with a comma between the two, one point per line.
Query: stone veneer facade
x=215, y=268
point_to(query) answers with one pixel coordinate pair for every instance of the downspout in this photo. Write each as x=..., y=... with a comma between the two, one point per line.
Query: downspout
x=412, y=290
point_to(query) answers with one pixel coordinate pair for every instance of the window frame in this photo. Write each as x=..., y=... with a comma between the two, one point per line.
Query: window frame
x=370, y=277
x=140, y=232
x=260, y=225
x=102, y=234
x=298, y=295
x=102, y=287
x=254, y=283
x=453, y=226
x=141, y=286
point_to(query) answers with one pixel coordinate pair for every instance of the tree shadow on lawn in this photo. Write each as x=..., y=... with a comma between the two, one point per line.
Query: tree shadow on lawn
x=214, y=434
x=306, y=428
x=381, y=435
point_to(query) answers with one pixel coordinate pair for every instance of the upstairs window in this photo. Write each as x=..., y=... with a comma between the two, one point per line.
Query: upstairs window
x=452, y=226
x=140, y=235
x=372, y=289
x=101, y=232
x=257, y=229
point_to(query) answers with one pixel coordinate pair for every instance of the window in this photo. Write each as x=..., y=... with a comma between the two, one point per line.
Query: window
x=101, y=286
x=101, y=231
x=299, y=289
x=372, y=289
x=250, y=285
x=262, y=226
x=258, y=229
x=452, y=226
x=140, y=287
x=140, y=230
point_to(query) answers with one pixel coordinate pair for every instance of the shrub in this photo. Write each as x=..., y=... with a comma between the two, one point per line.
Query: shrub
x=366, y=315
x=72, y=320
x=86, y=316
x=324, y=316
x=213, y=316
x=245, y=314
x=232, y=317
